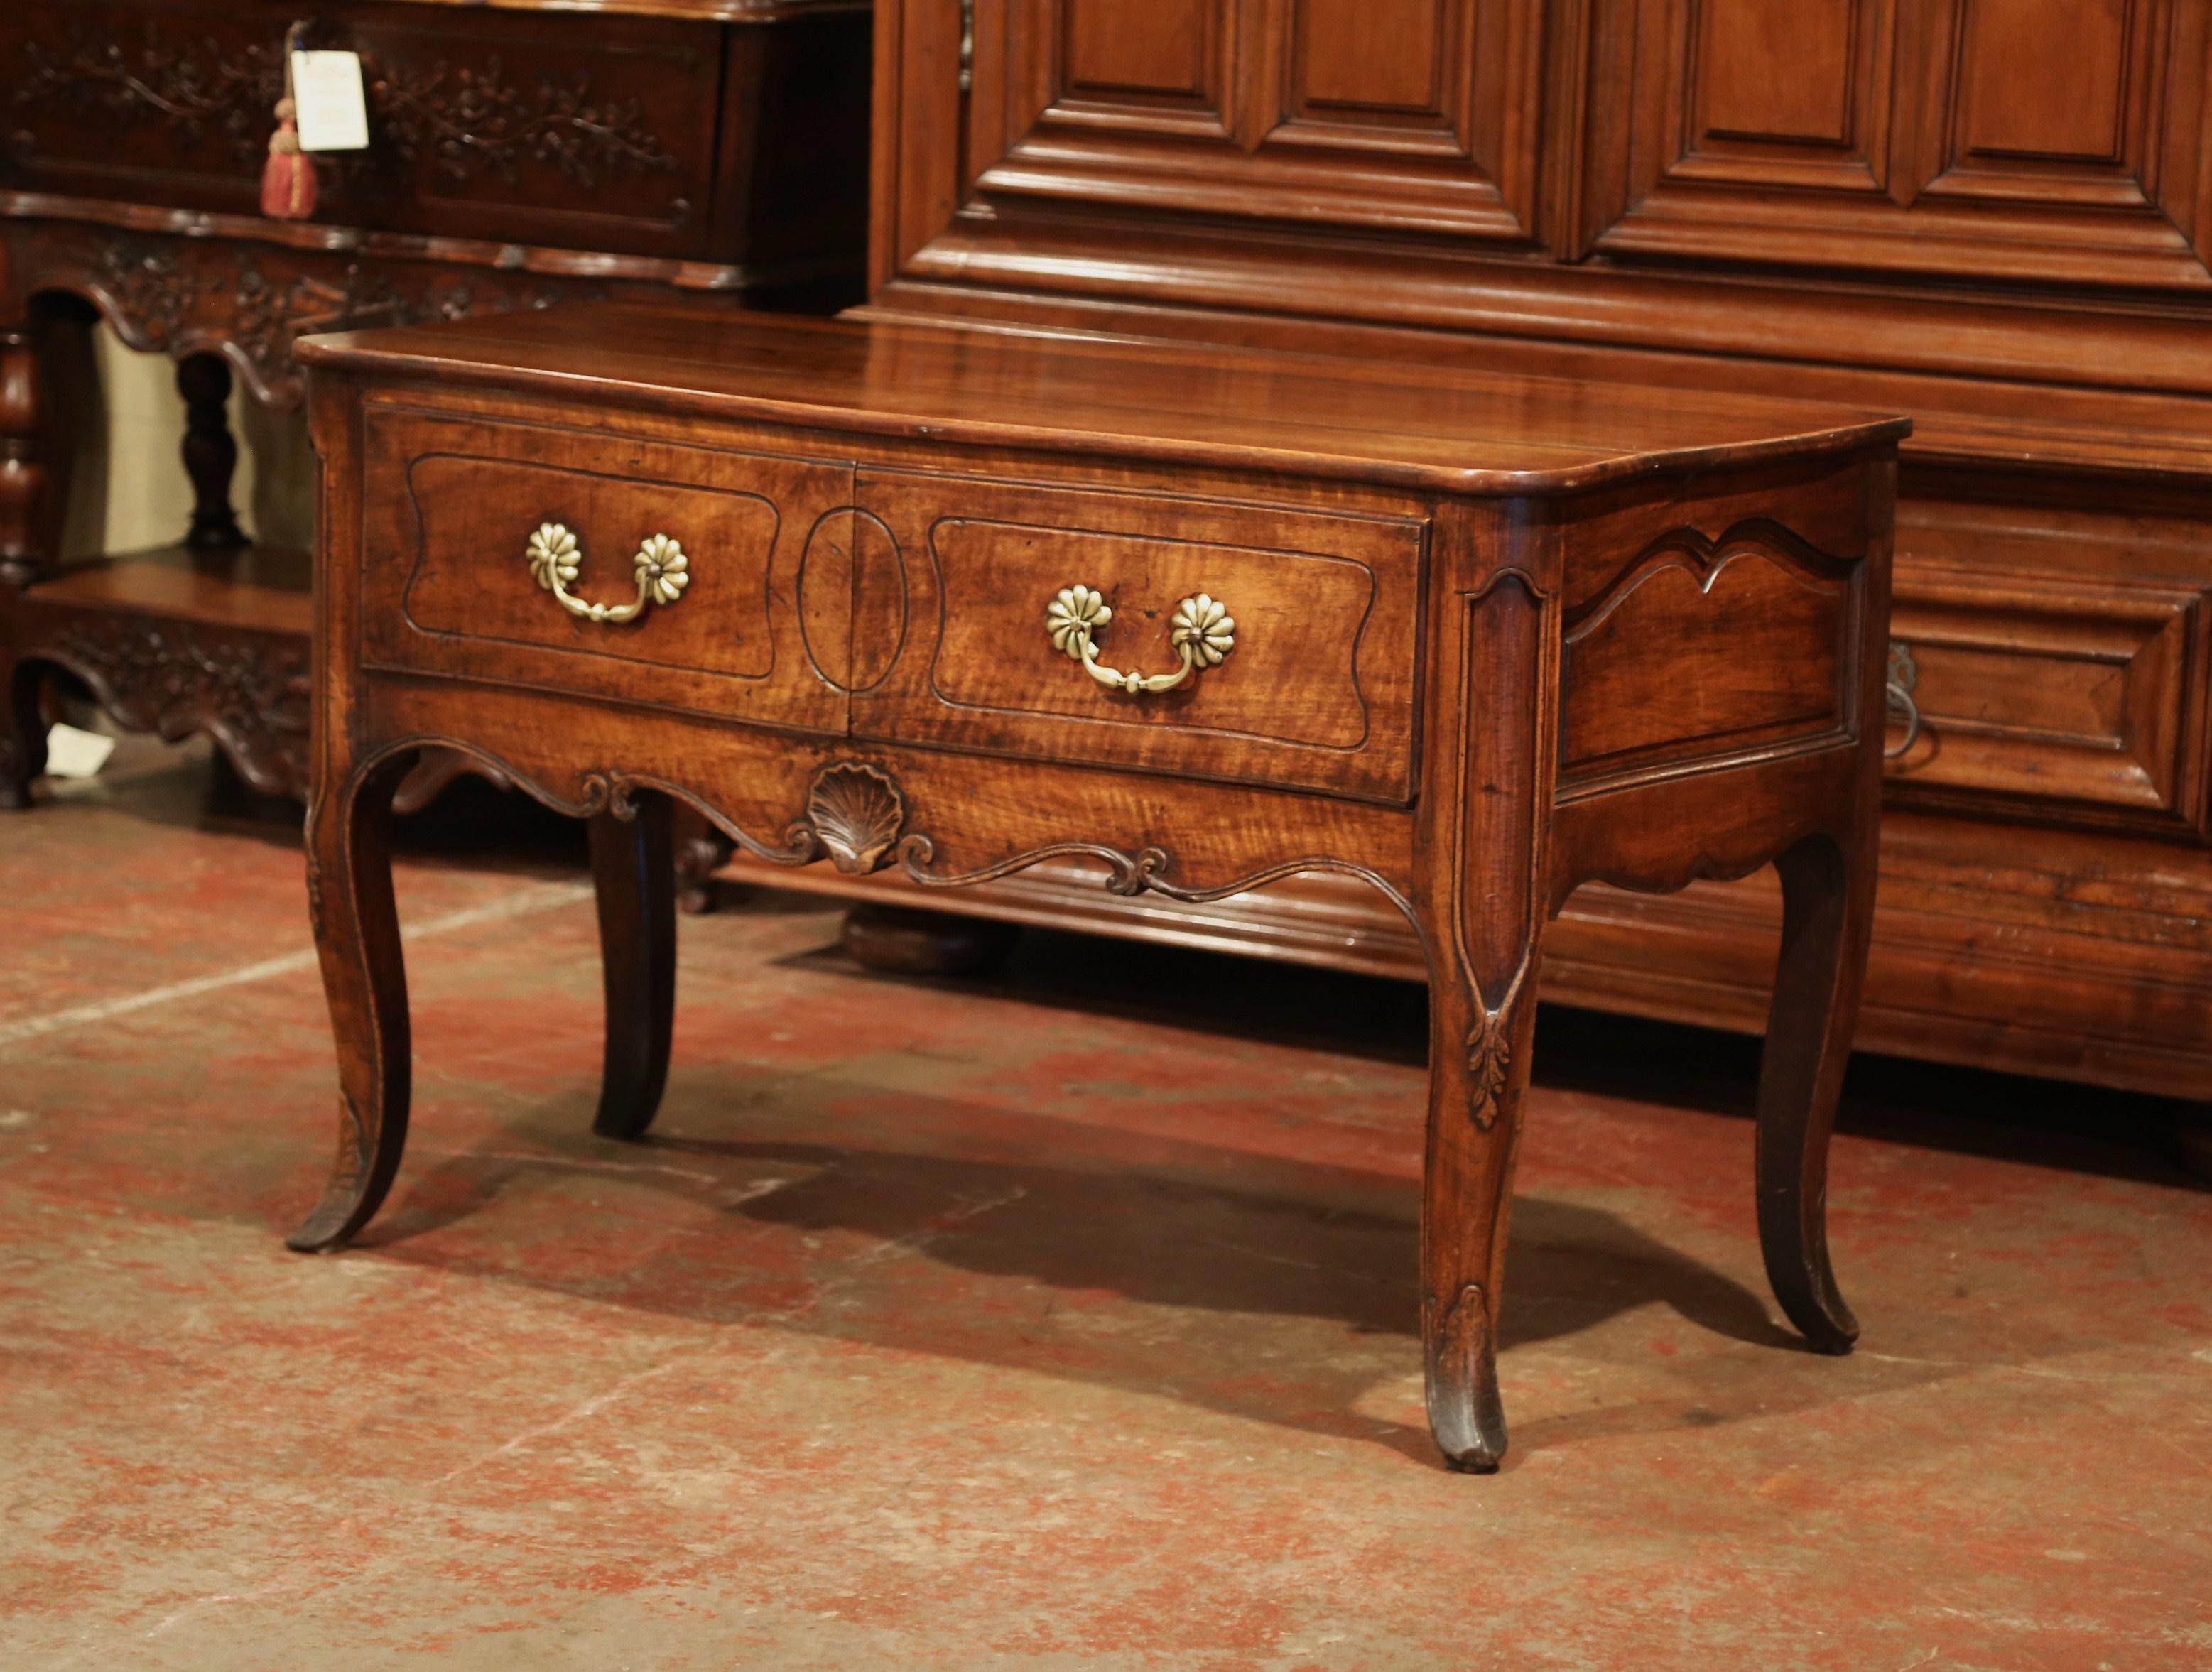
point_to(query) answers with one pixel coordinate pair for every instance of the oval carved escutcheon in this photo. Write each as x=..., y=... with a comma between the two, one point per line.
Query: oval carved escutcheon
x=852, y=598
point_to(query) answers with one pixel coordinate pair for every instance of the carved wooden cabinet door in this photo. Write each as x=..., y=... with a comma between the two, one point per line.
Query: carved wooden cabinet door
x=2060, y=141
x=1410, y=114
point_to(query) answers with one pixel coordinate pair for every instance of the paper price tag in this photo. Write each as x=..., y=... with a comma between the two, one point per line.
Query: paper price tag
x=74, y=754
x=329, y=106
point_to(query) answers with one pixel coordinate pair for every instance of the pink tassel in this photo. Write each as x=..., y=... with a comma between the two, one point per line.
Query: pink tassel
x=288, y=179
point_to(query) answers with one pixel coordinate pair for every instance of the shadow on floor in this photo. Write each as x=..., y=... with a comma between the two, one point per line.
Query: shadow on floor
x=1282, y=1292
x=2039, y=1123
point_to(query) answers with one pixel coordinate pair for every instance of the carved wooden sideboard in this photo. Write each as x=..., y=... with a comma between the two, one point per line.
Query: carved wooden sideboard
x=1994, y=214
x=521, y=155
x=954, y=602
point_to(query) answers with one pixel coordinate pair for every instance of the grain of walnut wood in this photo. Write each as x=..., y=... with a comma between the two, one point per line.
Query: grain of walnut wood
x=1644, y=661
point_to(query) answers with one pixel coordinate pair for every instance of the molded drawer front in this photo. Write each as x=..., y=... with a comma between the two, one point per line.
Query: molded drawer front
x=1318, y=689
x=2051, y=690
x=451, y=510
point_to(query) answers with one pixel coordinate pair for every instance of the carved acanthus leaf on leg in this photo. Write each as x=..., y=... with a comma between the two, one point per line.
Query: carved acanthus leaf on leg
x=1489, y=1049
x=1488, y=1055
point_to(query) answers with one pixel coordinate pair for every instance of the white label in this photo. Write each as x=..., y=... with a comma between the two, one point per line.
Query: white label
x=71, y=753
x=327, y=96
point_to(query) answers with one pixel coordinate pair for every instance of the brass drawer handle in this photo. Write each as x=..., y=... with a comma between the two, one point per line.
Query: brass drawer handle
x=1201, y=630
x=663, y=573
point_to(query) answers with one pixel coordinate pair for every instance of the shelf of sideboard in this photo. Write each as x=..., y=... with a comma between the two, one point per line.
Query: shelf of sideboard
x=268, y=588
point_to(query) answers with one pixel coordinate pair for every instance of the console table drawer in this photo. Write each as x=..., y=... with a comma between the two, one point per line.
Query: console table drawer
x=1312, y=616
x=594, y=564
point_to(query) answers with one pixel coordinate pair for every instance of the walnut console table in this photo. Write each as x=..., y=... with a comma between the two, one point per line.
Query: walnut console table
x=960, y=601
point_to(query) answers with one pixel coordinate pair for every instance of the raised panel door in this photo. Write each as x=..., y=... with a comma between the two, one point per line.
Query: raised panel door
x=2043, y=141
x=1410, y=114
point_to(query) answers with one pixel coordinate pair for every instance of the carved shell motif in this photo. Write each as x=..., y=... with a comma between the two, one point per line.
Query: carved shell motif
x=856, y=813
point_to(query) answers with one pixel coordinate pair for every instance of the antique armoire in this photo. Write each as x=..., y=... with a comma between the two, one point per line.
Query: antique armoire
x=1994, y=214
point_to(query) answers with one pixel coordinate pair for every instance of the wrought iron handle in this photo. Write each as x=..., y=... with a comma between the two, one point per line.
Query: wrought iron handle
x=663, y=573
x=1904, y=675
x=1201, y=630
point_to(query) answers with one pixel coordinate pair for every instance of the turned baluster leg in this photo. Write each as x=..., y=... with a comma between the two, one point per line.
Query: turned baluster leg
x=32, y=460
x=22, y=729
x=1481, y=855
x=210, y=452
x=633, y=874
x=1827, y=913
x=365, y=979
x=700, y=851
x=30, y=490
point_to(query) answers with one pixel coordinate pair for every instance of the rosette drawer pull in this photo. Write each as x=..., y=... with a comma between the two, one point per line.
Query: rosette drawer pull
x=663, y=573
x=1201, y=630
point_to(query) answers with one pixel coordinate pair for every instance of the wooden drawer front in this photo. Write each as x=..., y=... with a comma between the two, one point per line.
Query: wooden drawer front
x=450, y=506
x=549, y=128
x=2053, y=691
x=1318, y=691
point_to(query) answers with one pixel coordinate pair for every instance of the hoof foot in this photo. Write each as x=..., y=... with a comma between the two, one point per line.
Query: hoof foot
x=344, y=1209
x=1830, y=1333
x=1466, y=1414
x=326, y=1231
x=627, y=1121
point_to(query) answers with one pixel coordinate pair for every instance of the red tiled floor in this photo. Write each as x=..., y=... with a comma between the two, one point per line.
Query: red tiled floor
x=1063, y=1320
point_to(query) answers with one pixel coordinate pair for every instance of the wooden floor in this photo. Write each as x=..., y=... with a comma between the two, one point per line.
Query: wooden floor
x=1060, y=1319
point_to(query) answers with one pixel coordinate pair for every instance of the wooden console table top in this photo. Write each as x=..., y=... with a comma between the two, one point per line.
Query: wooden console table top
x=1317, y=415
x=960, y=602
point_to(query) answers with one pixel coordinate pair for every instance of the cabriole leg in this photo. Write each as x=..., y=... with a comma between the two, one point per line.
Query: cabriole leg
x=365, y=978
x=633, y=874
x=1481, y=852
x=1478, y=1074
x=1827, y=912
